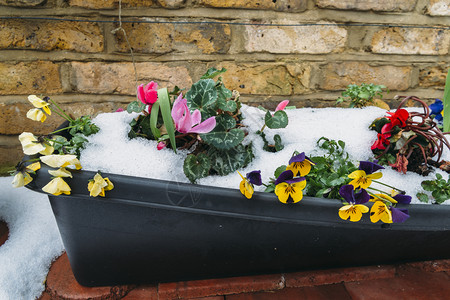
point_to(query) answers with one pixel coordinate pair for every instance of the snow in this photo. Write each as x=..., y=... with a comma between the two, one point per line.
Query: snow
x=34, y=239
x=111, y=150
x=33, y=242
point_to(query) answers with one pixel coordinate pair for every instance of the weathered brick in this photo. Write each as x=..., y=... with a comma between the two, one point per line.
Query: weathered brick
x=423, y=41
x=337, y=76
x=10, y=151
x=172, y=3
x=164, y=38
x=280, y=5
x=51, y=35
x=13, y=118
x=433, y=76
x=439, y=8
x=61, y=284
x=110, y=4
x=29, y=78
x=295, y=39
x=213, y=287
x=118, y=78
x=22, y=3
x=376, y=5
x=272, y=79
x=324, y=277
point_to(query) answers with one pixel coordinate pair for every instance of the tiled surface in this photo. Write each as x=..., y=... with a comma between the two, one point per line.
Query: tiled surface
x=418, y=280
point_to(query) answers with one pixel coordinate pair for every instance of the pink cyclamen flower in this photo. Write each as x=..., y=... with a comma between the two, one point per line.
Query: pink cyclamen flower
x=185, y=122
x=282, y=105
x=161, y=145
x=148, y=94
x=120, y=109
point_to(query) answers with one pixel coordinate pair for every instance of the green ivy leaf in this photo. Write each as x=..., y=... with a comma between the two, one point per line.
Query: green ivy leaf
x=202, y=96
x=196, y=167
x=278, y=120
x=212, y=72
x=135, y=106
x=224, y=139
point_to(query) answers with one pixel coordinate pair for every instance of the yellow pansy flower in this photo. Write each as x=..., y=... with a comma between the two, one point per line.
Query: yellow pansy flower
x=61, y=161
x=22, y=176
x=380, y=211
x=363, y=180
x=57, y=186
x=61, y=172
x=352, y=212
x=287, y=187
x=39, y=103
x=300, y=164
x=99, y=185
x=36, y=114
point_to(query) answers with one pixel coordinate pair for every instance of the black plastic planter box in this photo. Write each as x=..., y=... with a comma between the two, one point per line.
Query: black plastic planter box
x=148, y=230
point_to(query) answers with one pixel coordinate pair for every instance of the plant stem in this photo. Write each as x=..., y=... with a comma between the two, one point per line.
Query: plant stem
x=401, y=191
x=62, y=129
x=64, y=115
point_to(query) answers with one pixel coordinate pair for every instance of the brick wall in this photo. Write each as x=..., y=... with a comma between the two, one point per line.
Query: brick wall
x=84, y=64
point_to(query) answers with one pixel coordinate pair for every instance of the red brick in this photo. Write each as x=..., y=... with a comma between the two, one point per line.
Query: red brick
x=210, y=298
x=61, y=284
x=432, y=265
x=321, y=277
x=214, y=287
x=4, y=232
x=411, y=283
x=45, y=296
x=148, y=292
x=325, y=292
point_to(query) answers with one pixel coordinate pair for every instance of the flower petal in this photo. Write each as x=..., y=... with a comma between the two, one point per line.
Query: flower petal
x=282, y=105
x=205, y=126
x=254, y=177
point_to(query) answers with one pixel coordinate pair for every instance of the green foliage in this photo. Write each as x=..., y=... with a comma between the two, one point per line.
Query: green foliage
x=74, y=145
x=439, y=188
x=196, y=166
x=361, y=95
x=135, y=106
x=82, y=125
x=223, y=144
x=330, y=171
x=446, y=100
x=278, y=120
x=277, y=146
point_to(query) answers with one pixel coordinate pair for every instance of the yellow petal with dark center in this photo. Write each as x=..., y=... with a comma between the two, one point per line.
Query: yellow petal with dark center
x=282, y=192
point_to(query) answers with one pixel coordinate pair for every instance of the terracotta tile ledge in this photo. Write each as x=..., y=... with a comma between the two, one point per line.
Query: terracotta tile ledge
x=372, y=282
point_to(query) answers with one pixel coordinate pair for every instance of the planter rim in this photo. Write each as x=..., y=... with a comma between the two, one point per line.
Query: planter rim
x=220, y=201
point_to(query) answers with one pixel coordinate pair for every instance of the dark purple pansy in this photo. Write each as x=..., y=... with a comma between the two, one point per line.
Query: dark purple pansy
x=349, y=194
x=403, y=199
x=369, y=167
x=288, y=177
x=299, y=158
x=399, y=215
x=254, y=177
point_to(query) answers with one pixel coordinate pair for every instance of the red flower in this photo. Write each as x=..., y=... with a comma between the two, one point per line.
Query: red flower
x=382, y=138
x=148, y=94
x=399, y=117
